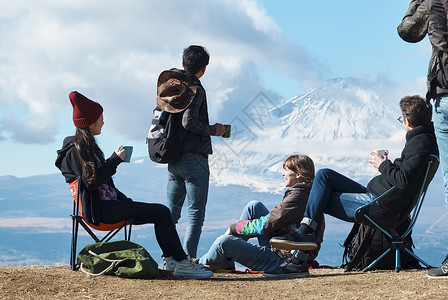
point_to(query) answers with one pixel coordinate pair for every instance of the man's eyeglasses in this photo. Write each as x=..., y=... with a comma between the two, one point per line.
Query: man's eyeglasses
x=400, y=119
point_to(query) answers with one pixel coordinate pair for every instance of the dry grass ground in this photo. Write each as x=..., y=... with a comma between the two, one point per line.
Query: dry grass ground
x=58, y=282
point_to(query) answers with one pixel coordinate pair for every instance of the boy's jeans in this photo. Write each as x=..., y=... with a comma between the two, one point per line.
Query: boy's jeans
x=256, y=257
x=189, y=177
x=254, y=210
x=440, y=118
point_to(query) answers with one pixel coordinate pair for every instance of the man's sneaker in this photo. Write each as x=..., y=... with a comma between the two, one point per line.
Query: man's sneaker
x=168, y=263
x=296, y=240
x=441, y=272
x=226, y=266
x=188, y=269
x=289, y=269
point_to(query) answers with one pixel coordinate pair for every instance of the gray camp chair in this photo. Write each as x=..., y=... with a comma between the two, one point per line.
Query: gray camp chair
x=373, y=214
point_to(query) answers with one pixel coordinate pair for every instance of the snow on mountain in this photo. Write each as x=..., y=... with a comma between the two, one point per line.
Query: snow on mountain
x=336, y=124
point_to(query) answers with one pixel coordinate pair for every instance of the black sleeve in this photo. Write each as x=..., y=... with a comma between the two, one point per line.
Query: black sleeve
x=105, y=172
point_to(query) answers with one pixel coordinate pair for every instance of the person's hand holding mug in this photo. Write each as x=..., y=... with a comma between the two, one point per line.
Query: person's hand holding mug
x=220, y=129
x=121, y=152
x=377, y=157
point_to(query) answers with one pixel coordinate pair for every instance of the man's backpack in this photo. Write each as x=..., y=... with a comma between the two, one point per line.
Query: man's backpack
x=366, y=243
x=165, y=137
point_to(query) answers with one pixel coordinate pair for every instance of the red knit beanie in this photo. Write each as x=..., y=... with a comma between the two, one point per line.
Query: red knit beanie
x=85, y=111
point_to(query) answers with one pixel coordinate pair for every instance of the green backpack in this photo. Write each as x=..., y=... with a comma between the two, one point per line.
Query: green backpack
x=120, y=258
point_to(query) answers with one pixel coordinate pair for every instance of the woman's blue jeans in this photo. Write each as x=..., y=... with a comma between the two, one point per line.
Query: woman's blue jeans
x=336, y=195
x=440, y=118
x=256, y=257
x=189, y=177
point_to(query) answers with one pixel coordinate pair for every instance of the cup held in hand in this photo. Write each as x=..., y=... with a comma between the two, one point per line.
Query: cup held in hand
x=382, y=152
x=227, y=132
x=128, y=149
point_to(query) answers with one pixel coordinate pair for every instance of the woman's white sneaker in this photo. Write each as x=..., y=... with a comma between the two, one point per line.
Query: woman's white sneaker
x=168, y=263
x=188, y=269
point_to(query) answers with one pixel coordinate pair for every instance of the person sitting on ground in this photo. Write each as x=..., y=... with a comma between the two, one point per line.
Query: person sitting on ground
x=340, y=197
x=81, y=158
x=257, y=221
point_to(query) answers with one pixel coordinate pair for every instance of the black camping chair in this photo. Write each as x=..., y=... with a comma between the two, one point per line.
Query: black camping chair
x=77, y=219
x=374, y=214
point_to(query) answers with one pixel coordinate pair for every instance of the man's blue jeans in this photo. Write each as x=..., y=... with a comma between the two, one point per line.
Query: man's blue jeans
x=256, y=257
x=336, y=195
x=440, y=118
x=189, y=177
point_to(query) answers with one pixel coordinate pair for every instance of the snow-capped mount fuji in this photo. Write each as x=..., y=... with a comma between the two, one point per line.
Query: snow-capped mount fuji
x=336, y=124
x=341, y=108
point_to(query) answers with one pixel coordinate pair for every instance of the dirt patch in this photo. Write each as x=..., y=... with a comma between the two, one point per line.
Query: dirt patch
x=58, y=282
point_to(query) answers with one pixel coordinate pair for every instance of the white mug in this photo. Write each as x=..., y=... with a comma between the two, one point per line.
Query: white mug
x=382, y=152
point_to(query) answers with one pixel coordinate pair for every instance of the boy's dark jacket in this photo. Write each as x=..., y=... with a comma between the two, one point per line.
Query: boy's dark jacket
x=282, y=219
x=69, y=164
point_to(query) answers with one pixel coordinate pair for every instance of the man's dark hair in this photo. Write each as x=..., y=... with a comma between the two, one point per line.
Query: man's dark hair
x=416, y=110
x=195, y=58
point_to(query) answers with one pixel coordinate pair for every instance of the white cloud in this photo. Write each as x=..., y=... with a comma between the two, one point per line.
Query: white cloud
x=113, y=52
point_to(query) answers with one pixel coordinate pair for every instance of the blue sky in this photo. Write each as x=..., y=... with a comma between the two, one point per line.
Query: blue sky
x=113, y=52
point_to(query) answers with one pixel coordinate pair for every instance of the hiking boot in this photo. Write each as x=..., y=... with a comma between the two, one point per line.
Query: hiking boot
x=188, y=269
x=168, y=263
x=289, y=269
x=440, y=272
x=296, y=240
x=226, y=266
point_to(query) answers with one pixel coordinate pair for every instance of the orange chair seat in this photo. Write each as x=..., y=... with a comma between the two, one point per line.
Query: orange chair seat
x=102, y=226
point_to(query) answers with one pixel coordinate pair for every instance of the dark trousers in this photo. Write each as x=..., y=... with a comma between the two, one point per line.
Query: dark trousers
x=146, y=213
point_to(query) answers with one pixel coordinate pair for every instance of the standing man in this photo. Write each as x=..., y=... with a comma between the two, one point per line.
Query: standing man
x=181, y=92
x=430, y=17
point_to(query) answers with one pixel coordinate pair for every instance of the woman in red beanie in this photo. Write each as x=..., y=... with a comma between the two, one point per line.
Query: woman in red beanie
x=81, y=158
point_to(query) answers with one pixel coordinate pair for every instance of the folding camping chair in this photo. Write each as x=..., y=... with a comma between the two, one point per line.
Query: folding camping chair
x=77, y=219
x=373, y=213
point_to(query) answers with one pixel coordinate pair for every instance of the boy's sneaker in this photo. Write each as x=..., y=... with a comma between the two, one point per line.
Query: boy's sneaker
x=440, y=272
x=289, y=269
x=168, y=264
x=188, y=269
x=226, y=266
x=296, y=240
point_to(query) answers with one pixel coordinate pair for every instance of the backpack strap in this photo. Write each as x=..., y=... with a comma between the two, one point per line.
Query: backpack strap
x=445, y=5
x=112, y=262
